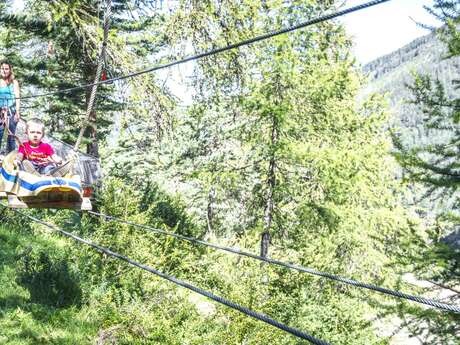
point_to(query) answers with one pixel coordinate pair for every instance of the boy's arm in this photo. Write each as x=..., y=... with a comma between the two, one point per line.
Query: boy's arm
x=55, y=158
x=52, y=156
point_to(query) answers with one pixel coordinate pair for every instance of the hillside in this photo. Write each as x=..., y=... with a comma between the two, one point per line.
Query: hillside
x=391, y=73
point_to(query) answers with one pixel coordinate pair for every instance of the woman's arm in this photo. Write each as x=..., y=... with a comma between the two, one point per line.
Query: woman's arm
x=17, y=94
x=19, y=158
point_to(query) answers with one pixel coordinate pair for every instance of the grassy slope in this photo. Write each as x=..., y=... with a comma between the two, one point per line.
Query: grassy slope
x=29, y=315
x=25, y=317
x=42, y=289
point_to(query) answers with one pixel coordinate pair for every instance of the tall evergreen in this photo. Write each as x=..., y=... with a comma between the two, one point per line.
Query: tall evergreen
x=275, y=143
x=435, y=166
x=56, y=44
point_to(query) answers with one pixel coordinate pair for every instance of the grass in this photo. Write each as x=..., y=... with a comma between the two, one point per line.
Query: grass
x=25, y=318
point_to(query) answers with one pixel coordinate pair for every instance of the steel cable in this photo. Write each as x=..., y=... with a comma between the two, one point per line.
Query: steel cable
x=221, y=300
x=219, y=50
x=421, y=300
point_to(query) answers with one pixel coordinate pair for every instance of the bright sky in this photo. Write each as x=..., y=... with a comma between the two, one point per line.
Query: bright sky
x=381, y=29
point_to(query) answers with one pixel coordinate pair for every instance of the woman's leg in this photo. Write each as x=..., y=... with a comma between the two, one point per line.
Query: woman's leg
x=11, y=143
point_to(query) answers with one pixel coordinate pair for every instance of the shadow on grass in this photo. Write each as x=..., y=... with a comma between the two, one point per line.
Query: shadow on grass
x=11, y=302
x=49, y=280
x=43, y=269
x=40, y=293
x=8, y=245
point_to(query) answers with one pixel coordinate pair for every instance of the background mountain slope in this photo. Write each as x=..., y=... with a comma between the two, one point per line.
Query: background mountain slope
x=391, y=73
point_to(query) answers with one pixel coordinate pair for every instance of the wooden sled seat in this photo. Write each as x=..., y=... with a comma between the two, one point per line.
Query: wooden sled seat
x=26, y=190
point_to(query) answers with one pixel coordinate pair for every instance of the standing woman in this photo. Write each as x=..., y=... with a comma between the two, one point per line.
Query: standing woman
x=9, y=104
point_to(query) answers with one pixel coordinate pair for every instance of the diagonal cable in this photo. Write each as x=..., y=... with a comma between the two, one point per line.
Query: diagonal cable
x=421, y=300
x=219, y=50
x=221, y=300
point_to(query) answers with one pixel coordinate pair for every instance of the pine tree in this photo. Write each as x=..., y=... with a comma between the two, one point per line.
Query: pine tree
x=436, y=167
x=56, y=44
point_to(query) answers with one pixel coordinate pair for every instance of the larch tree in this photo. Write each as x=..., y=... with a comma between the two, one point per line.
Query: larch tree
x=274, y=146
x=435, y=167
x=56, y=45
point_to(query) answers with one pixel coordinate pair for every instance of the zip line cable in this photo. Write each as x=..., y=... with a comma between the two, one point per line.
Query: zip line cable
x=421, y=300
x=221, y=300
x=219, y=50
x=258, y=316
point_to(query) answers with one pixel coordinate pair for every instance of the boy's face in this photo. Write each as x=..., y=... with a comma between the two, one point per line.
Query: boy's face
x=35, y=134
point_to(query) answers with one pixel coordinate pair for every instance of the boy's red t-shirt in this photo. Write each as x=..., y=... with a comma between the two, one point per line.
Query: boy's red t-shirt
x=39, y=155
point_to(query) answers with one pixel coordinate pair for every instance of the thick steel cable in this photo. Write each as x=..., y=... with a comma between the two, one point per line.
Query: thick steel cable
x=421, y=300
x=101, y=61
x=221, y=300
x=220, y=50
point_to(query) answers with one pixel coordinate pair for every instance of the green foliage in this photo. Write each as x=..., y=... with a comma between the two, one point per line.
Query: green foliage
x=56, y=44
x=436, y=164
x=447, y=12
x=37, y=311
x=272, y=142
x=436, y=167
x=48, y=279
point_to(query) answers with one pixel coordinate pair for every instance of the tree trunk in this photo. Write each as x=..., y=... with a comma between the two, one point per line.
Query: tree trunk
x=210, y=211
x=269, y=205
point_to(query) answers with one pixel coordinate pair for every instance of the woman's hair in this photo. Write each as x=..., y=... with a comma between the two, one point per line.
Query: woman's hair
x=11, y=77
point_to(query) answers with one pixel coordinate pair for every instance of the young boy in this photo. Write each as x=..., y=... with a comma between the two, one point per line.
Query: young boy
x=36, y=153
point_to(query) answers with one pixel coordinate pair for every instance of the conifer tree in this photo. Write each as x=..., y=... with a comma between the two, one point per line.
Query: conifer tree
x=436, y=166
x=274, y=143
x=56, y=44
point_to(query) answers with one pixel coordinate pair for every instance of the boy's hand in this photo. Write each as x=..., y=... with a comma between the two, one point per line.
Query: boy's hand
x=55, y=159
x=16, y=163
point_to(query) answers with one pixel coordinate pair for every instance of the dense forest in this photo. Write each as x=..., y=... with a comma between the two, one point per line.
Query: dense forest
x=393, y=75
x=272, y=148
